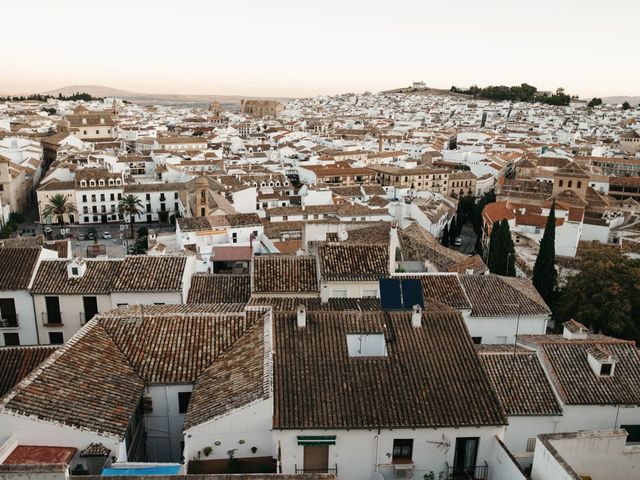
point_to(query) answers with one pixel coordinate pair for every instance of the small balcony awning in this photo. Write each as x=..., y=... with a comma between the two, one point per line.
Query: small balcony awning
x=316, y=440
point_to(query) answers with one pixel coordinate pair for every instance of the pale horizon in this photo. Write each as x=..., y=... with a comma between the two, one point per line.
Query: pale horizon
x=289, y=48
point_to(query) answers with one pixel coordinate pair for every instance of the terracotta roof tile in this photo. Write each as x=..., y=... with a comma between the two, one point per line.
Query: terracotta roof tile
x=520, y=382
x=285, y=274
x=219, y=289
x=317, y=384
x=353, y=262
x=17, y=362
x=16, y=267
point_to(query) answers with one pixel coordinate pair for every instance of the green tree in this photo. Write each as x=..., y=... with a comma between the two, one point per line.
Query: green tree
x=58, y=206
x=130, y=205
x=496, y=249
x=544, y=270
x=502, y=255
x=594, y=102
x=605, y=295
x=626, y=106
x=445, y=236
x=453, y=231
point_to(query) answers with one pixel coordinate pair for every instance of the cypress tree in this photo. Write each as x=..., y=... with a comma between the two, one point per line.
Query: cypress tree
x=509, y=250
x=453, y=232
x=544, y=270
x=495, y=248
x=445, y=236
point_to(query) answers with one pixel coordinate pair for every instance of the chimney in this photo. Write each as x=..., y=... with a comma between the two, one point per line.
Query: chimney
x=394, y=243
x=416, y=316
x=301, y=316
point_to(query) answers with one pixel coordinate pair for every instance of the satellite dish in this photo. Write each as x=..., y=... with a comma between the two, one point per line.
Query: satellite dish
x=376, y=476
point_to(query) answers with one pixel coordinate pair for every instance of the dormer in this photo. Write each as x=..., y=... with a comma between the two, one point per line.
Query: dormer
x=102, y=121
x=76, y=268
x=601, y=361
x=83, y=183
x=110, y=181
x=101, y=182
x=573, y=330
x=84, y=121
x=92, y=183
x=366, y=345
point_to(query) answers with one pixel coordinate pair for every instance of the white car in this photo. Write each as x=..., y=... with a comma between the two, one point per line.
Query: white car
x=106, y=235
x=47, y=230
x=458, y=241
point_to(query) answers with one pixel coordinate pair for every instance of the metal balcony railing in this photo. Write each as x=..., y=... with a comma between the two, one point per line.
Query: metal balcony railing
x=9, y=321
x=317, y=470
x=51, y=319
x=467, y=472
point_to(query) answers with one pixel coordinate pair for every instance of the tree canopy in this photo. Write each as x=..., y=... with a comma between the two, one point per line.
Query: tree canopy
x=594, y=102
x=522, y=93
x=605, y=295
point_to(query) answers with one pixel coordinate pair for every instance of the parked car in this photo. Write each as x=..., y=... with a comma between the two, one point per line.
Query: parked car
x=91, y=236
x=106, y=235
x=458, y=241
x=47, y=230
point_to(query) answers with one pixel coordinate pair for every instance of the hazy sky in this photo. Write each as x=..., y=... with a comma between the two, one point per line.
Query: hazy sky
x=304, y=47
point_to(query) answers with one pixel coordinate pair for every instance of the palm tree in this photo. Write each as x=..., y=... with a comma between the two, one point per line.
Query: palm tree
x=131, y=205
x=59, y=205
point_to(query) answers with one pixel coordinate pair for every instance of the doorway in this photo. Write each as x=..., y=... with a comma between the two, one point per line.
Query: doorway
x=466, y=453
x=90, y=307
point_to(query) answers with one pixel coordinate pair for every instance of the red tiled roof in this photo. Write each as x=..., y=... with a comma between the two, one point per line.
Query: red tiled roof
x=37, y=455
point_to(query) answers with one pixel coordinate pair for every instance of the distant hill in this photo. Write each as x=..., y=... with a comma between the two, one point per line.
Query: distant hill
x=150, y=98
x=633, y=101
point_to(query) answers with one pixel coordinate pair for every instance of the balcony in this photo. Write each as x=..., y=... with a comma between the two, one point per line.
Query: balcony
x=333, y=470
x=9, y=321
x=470, y=472
x=52, y=320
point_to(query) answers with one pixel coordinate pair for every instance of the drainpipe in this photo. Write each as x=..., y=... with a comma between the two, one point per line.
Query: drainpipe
x=375, y=460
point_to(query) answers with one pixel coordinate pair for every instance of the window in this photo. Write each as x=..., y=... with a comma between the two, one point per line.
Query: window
x=561, y=182
x=570, y=183
x=11, y=339
x=112, y=197
x=366, y=345
x=56, y=338
x=102, y=197
x=633, y=433
x=402, y=449
x=579, y=184
x=605, y=369
x=93, y=198
x=74, y=271
x=477, y=340
x=183, y=401
x=84, y=198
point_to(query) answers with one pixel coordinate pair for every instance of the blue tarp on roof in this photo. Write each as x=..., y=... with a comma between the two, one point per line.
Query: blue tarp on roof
x=164, y=470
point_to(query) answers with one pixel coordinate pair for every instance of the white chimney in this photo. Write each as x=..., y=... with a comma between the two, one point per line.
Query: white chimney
x=302, y=316
x=416, y=316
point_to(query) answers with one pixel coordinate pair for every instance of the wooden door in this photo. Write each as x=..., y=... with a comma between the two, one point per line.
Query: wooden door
x=316, y=457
